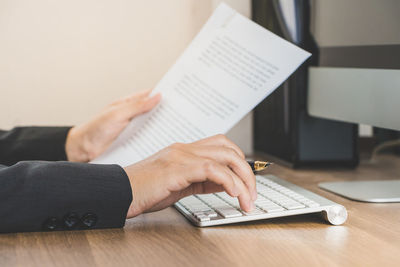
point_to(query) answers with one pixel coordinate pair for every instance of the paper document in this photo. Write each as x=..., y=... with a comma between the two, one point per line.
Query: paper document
x=230, y=66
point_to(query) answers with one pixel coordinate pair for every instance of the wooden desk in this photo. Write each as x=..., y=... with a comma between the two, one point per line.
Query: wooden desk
x=370, y=237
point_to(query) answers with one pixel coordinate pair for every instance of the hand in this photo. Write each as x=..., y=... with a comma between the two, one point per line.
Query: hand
x=87, y=141
x=210, y=165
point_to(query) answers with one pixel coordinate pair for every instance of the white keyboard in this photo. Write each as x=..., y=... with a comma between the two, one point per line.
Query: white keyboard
x=276, y=198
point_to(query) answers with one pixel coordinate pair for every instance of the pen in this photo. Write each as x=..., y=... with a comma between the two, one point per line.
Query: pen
x=257, y=165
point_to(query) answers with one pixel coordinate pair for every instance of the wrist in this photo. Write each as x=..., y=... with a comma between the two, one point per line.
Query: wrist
x=134, y=207
x=75, y=147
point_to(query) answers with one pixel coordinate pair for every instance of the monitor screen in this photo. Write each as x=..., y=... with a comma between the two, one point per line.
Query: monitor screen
x=357, y=78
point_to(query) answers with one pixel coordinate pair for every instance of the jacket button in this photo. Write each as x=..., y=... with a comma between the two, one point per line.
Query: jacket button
x=50, y=224
x=89, y=220
x=71, y=220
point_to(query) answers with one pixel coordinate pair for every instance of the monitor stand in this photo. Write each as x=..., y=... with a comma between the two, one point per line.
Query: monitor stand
x=366, y=191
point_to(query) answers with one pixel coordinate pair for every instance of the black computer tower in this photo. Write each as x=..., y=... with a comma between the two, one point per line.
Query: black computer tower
x=282, y=127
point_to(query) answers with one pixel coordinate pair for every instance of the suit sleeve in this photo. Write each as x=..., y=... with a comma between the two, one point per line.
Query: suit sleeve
x=33, y=143
x=43, y=196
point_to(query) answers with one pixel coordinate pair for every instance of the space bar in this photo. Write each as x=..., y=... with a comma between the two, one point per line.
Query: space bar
x=228, y=212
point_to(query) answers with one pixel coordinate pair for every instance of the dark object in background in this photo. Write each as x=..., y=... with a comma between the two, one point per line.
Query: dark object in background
x=282, y=127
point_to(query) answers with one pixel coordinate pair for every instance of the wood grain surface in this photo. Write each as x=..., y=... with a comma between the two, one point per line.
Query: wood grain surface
x=370, y=237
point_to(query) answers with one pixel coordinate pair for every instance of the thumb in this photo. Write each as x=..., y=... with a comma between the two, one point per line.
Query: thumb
x=144, y=105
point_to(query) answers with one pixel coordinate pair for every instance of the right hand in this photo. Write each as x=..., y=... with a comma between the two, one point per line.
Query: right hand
x=87, y=141
x=210, y=165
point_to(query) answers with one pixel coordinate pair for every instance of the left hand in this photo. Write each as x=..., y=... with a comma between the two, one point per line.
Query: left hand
x=87, y=141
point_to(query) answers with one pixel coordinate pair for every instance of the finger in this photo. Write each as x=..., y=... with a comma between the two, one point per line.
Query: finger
x=140, y=94
x=135, y=108
x=220, y=140
x=210, y=187
x=213, y=171
x=245, y=200
x=207, y=187
x=136, y=96
x=244, y=196
x=208, y=170
x=227, y=156
x=148, y=104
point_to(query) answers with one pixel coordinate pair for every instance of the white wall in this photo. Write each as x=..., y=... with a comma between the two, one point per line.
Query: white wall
x=61, y=61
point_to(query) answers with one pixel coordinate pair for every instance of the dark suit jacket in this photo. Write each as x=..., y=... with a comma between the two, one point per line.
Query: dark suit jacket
x=36, y=194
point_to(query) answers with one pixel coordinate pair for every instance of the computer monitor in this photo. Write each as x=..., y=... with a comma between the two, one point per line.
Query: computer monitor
x=357, y=78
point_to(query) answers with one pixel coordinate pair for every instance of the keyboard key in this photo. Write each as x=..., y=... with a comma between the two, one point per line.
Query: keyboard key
x=293, y=206
x=262, y=199
x=213, y=201
x=211, y=214
x=312, y=204
x=196, y=213
x=269, y=206
x=191, y=201
x=233, y=201
x=229, y=212
x=202, y=217
x=195, y=209
x=273, y=208
x=255, y=211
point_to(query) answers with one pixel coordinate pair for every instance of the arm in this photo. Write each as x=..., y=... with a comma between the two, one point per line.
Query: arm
x=81, y=143
x=62, y=195
x=37, y=196
x=32, y=143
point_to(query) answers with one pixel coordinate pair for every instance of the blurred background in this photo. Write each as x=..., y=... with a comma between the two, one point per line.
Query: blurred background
x=62, y=61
